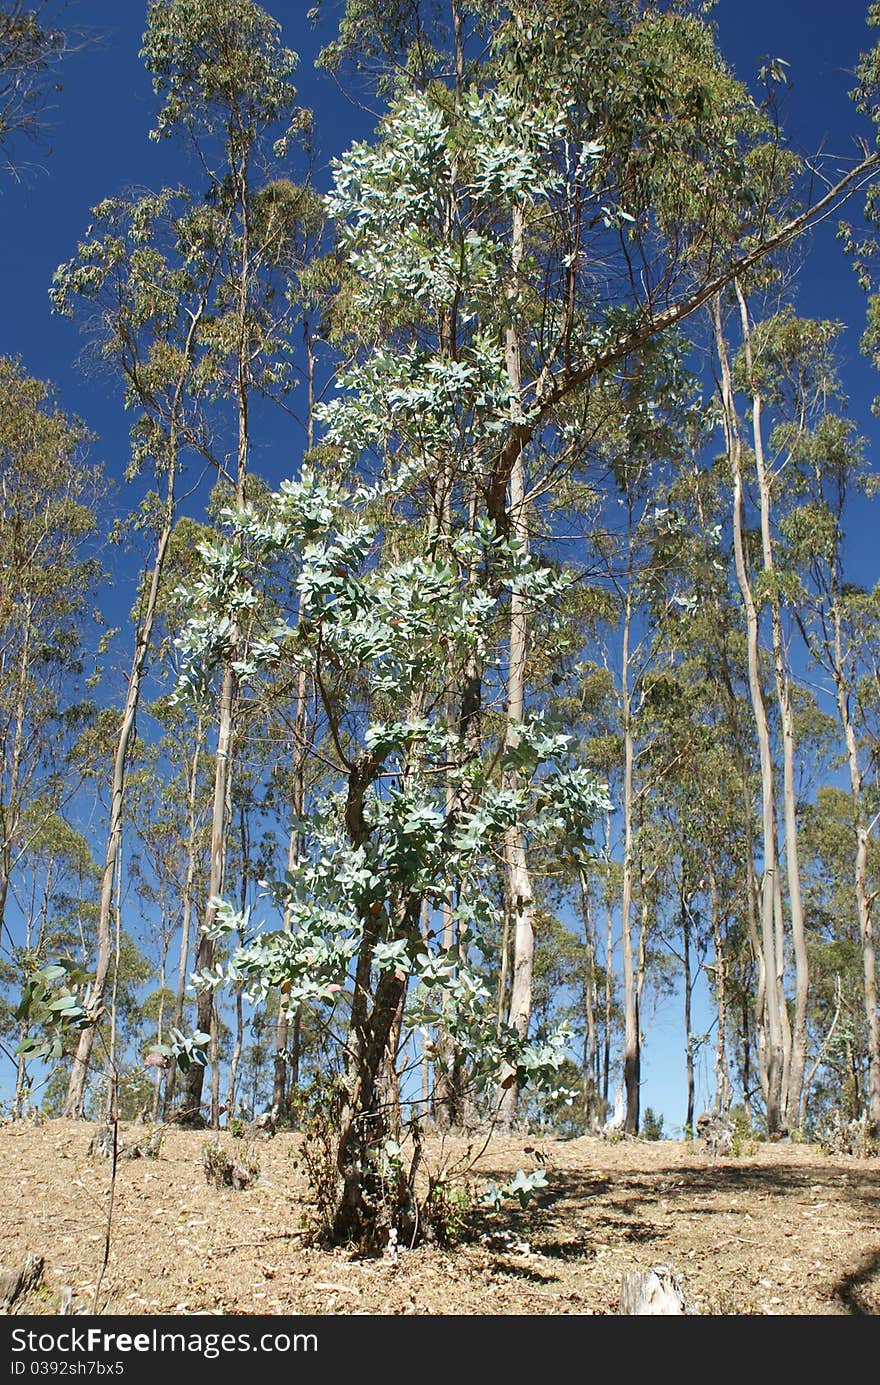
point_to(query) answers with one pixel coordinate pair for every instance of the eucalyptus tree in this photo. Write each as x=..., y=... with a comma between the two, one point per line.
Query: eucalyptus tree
x=187, y=298
x=840, y=624
x=697, y=836
x=53, y=889
x=384, y=843
x=707, y=638
x=30, y=47
x=179, y=737
x=145, y=275
x=788, y=373
x=581, y=697
x=646, y=138
x=224, y=80
x=47, y=493
x=841, y=1077
x=777, y=1045
x=403, y=411
x=846, y=640
x=48, y=497
x=640, y=440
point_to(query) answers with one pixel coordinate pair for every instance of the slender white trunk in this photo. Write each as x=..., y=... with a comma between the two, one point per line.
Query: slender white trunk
x=864, y=896
x=519, y=884
x=793, y=1085
x=609, y=971
x=74, y=1105
x=187, y=896
x=773, y=1046
x=631, y=1048
x=722, y=1080
x=591, y=1041
x=205, y=1009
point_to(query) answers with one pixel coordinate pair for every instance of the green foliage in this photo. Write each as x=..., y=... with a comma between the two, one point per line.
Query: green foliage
x=183, y=1050
x=372, y=860
x=220, y=63
x=134, y=1093
x=651, y=1125
x=54, y=1002
x=745, y=1138
x=319, y=1111
x=448, y=1209
x=522, y=1187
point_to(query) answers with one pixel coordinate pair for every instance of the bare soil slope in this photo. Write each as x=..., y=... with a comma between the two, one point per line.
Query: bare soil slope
x=787, y=1230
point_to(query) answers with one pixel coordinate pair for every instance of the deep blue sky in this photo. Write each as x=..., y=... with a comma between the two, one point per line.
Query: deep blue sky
x=97, y=146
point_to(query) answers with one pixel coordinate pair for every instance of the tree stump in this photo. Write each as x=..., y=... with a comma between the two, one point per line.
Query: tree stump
x=145, y=1149
x=101, y=1142
x=261, y=1127
x=716, y=1132
x=658, y=1290
x=14, y=1283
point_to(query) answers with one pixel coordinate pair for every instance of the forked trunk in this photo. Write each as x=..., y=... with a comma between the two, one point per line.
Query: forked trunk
x=794, y=1077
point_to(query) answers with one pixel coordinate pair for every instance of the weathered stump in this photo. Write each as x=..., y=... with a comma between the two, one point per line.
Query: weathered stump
x=14, y=1283
x=716, y=1132
x=261, y=1127
x=658, y=1290
x=102, y=1143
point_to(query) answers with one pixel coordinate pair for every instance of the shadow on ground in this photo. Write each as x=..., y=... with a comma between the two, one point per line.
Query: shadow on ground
x=850, y=1290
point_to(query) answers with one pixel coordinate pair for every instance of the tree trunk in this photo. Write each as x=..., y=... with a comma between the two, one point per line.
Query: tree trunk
x=864, y=897
x=609, y=974
x=746, y=1049
x=752, y=892
x=76, y=1090
x=186, y=905
x=773, y=1048
x=519, y=884
x=205, y=1007
x=11, y=808
x=688, y=1034
x=235, y=1056
x=424, y=1059
x=591, y=1043
x=631, y=1046
x=282, y=1070
x=448, y=1111
x=370, y=1201
x=793, y=1085
x=368, y=1204
x=722, y=1080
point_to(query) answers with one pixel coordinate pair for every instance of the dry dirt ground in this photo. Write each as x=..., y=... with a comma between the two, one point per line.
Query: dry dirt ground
x=786, y=1230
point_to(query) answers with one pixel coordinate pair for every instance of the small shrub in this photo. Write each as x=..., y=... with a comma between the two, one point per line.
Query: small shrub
x=446, y=1210
x=319, y=1116
x=744, y=1141
x=652, y=1125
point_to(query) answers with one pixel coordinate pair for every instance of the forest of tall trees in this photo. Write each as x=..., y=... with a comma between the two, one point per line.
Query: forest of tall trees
x=530, y=687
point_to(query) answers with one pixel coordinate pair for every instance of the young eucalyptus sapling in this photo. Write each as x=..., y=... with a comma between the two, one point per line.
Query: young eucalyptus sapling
x=385, y=840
